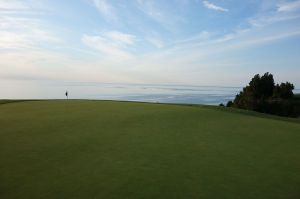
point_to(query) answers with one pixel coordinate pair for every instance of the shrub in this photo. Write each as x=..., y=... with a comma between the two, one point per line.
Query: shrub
x=264, y=96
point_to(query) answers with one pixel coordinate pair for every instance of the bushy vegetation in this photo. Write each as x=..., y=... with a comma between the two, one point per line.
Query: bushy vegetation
x=263, y=95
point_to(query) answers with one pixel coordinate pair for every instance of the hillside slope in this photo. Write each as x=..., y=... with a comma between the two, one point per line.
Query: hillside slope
x=103, y=149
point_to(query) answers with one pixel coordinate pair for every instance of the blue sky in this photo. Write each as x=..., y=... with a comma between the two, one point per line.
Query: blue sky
x=214, y=42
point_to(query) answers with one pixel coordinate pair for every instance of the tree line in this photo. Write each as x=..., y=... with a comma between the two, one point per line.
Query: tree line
x=263, y=95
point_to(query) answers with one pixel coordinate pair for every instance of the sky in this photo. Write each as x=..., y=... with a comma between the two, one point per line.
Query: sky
x=184, y=42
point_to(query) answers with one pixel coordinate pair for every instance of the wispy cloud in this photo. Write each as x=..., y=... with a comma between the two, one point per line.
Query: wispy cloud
x=121, y=38
x=12, y=5
x=282, y=13
x=158, y=43
x=18, y=7
x=106, y=9
x=145, y=41
x=193, y=56
x=289, y=6
x=113, y=44
x=212, y=6
x=269, y=38
x=265, y=20
x=203, y=36
x=161, y=15
x=20, y=30
x=26, y=41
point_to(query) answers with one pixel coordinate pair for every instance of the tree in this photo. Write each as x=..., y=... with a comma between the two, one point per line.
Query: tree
x=229, y=104
x=253, y=96
x=262, y=87
x=263, y=95
x=284, y=91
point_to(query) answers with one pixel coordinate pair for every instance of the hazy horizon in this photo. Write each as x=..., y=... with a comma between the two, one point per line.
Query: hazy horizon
x=162, y=93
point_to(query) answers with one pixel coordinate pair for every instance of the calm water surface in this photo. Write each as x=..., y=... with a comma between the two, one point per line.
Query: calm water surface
x=211, y=95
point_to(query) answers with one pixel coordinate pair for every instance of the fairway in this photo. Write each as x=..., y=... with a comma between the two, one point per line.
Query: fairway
x=104, y=149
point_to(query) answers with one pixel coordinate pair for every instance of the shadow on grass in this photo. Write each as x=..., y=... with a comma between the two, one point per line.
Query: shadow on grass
x=255, y=114
x=7, y=101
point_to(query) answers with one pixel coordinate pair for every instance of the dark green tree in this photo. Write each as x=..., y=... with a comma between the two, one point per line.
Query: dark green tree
x=229, y=104
x=284, y=91
x=263, y=95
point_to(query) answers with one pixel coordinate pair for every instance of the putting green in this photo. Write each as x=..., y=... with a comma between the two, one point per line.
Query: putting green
x=104, y=149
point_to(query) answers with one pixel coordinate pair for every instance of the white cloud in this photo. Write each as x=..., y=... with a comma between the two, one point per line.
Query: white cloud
x=214, y=7
x=155, y=41
x=268, y=38
x=105, y=9
x=22, y=33
x=11, y=40
x=18, y=7
x=121, y=38
x=281, y=16
x=25, y=40
x=113, y=44
x=20, y=25
x=203, y=36
x=12, y=5
x=160, y=15
x=265, y=20
x=113, y=56
x=289, y=6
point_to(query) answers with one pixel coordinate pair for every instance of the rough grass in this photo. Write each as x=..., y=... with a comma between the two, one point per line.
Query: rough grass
x=103, y=149
x=4, y=101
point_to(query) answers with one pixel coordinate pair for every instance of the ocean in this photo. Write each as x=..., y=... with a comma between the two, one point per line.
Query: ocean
x=212, y=95
x=186, y=94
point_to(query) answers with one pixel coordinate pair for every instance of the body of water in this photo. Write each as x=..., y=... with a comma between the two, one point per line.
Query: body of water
x=167, y=94
x=212, y=95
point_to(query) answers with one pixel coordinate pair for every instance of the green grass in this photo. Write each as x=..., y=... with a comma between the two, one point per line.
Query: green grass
x=103, y=149
x=13, y=101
